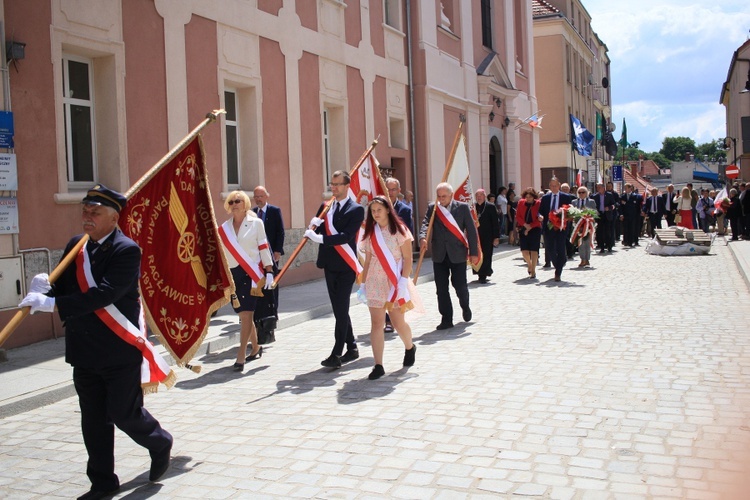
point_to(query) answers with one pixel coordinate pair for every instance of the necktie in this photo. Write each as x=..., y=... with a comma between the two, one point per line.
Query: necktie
x=91, y=247
x=262, y=215
x=601, y=203
x=554, y=202
x=669, y=201
x=335, y=208
x=653, y=205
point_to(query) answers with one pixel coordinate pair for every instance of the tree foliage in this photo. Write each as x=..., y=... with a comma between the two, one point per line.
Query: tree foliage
x=714, y=150
x=675, y=148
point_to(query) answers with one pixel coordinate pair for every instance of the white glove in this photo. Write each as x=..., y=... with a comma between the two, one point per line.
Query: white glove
x=38, y=302
x=269, y=281
x=361, y=294
x=313, y=236
x=40, y=283
x=316, y=222
x=403, y=283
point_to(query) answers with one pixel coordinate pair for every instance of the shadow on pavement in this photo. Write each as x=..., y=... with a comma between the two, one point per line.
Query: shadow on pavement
x=435, y=336
x=356, y=391
x=141, y=487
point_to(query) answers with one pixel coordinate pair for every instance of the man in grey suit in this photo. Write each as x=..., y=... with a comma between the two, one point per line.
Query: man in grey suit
x=453, y=238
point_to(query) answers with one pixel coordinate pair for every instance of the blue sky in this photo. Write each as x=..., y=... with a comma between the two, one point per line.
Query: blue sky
x=669, y=59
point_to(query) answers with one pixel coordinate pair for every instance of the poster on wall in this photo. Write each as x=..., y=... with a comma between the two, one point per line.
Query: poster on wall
x=6, y=129
x=8, y=216
x=8, y=172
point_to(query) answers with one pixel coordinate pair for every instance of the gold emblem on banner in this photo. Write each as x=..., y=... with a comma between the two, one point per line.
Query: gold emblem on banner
x=186, y=244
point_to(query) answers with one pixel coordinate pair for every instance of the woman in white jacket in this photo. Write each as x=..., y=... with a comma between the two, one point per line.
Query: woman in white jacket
x=685, y=208
x=249, y=259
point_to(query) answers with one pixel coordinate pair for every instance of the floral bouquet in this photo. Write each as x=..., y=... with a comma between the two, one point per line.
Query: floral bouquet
x=584, y=225
x=559, y=219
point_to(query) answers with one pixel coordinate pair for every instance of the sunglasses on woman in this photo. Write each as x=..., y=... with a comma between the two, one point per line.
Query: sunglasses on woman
x=235, y=201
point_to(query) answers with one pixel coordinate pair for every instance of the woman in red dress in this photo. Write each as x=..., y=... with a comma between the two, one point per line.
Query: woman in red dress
x=684, y=204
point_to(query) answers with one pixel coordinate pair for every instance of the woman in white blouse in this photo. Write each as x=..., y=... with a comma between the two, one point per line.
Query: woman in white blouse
x=685, y=208
x=246, y=248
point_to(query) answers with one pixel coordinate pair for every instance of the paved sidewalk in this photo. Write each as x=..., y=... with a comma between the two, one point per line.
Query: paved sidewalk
x=38, y=375
x=622, y=381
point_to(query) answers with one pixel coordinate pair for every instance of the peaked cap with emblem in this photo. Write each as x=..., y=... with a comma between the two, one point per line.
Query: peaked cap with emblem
x=102, y=195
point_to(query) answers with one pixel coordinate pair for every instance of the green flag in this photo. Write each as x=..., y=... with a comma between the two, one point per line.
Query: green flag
x=599, y=126
x=624, y=135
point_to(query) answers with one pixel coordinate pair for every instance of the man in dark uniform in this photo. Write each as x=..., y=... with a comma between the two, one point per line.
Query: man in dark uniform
x=274, y=226
x=489, y=233
x=106, y=368
x=670, y=207
x=630, y=215
x=605, y=205
x=339, y=264
x=452, y=239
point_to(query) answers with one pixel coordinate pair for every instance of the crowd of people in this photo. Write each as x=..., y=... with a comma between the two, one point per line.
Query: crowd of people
x=107, y=369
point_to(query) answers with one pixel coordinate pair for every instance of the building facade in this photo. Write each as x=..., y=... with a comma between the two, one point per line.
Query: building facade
x=735, y=96
x=572, y=78
x=105, y=89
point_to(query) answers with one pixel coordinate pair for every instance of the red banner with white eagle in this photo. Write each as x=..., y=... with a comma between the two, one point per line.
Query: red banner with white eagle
x=184, y=274
x=459, y=177
x=366, y=182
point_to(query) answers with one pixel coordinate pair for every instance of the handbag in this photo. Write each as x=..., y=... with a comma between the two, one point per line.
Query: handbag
x=677, y=218
x=266, y=316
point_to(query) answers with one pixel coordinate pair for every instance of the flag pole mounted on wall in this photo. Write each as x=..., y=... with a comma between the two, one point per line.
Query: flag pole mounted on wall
x=22, y=313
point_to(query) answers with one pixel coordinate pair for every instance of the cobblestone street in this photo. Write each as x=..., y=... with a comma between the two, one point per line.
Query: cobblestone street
x=628, y=380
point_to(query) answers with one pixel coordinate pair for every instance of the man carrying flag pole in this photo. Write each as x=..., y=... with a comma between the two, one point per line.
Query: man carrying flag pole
x=95, y=289
x=451, y=231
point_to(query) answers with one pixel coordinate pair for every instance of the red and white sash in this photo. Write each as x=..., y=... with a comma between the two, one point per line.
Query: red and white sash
x=450, y=223
x=154, y=368
x=253, y=267
x=397, y=295
x=344, y=250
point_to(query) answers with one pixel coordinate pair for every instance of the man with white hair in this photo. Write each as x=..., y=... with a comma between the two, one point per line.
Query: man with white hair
x=453, y=238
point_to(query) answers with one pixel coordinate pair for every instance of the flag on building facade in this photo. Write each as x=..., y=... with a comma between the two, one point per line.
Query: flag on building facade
x=582, y=140
x=599, y=126
x=624, y=135
x=533, y=121
x=184, y=274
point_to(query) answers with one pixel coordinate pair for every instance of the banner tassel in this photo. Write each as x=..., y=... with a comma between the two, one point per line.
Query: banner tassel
x=193, y=368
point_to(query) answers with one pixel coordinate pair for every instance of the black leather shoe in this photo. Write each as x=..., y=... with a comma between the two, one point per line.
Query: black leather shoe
x=255, y=356
x=444, y=326
x=97, y=494
x=159, y=464
x=410, y=355
x=238, y=367
x=546, y=266
x=376, y=373
x=467, y=315
x=349, y=355
x=332, y=361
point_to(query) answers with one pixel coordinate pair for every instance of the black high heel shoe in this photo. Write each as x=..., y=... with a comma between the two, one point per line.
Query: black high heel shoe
x=238, y=367
x=255, y=356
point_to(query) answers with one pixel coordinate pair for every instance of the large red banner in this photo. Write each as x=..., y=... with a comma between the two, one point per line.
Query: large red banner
x=184, y=274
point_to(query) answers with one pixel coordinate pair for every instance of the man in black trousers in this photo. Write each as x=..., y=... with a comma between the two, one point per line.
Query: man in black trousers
x=630, y=210
x=106, y=368
x=453, y=239
x=273, y=223
x=554, y=239
x=605, y=204
x=337, y=256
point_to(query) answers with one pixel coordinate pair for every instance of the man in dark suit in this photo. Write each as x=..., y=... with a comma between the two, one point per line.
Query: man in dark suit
x=339, y=264
x=554, y=240
x=273, y=223
x=630, y=215
x=106, y=368
x=489, y=233
x=403, y=210
x=616, y=226
x=454, y=236
x=605, y=204
x=654, y=210
x=670, y=208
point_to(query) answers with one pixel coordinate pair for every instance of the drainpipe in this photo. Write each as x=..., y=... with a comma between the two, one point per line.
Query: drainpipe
x=413, y=136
